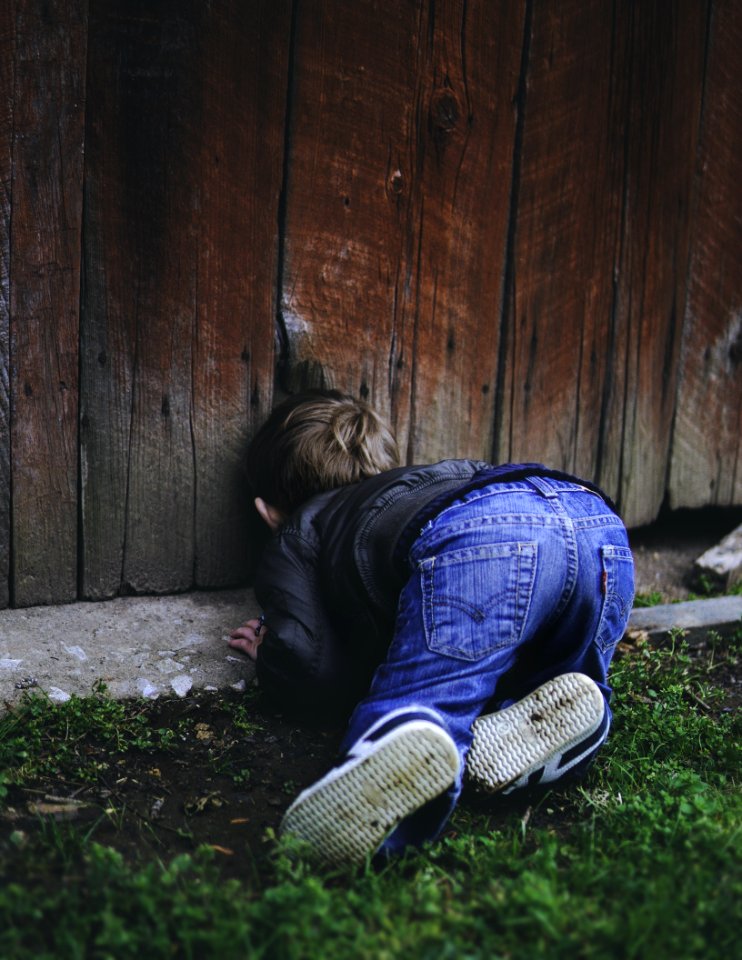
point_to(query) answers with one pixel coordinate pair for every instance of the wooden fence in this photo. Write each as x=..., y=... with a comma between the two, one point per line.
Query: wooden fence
x=515, y=225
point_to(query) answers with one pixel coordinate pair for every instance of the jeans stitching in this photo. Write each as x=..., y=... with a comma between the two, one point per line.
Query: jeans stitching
x=573, y=562
x=523, y=556
x=611, y=557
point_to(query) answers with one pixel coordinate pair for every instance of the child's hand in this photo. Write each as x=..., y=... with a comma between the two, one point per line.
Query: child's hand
x=247, y=638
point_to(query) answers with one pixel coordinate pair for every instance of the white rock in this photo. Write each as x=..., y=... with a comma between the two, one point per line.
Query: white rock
x=168, y=665
x=181, y=684
x=723, y=563
x=147, y=689
x=7, y=664
x=75, y=651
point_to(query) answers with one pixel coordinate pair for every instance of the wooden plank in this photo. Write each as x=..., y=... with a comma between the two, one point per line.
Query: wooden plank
x=46, y=196
x=237, y=142
x=696, y=618
x=397, y=204
x=706, y=465
x=185, y=141
x=560, y=323
x=601, y=242
x=7, y=64
x=139, y=299
x=665, y=56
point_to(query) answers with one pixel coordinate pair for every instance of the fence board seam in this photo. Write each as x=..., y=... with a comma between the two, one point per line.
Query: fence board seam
x=507, y=310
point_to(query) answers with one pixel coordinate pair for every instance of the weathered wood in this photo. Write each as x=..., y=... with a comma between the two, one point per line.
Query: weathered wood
x=559, y=322
x=185, y=141
x=601, y=242
x=665, y=49
x=398, y=195
x=706, y=462
x=694, y=618
x=46, y=198
x=139, y=299
x=495, y=220
x=7, y=61
x=237, y=149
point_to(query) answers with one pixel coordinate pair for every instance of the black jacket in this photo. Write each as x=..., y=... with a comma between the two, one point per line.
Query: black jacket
x=328, y=584
x=330, y=579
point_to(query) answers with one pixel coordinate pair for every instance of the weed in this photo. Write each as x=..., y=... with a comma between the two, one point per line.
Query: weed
x=652, y=599
x=241, y=714
x=75, y=739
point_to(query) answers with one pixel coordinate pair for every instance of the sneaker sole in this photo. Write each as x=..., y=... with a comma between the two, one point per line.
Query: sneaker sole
x=347, y=814
x=531, y=741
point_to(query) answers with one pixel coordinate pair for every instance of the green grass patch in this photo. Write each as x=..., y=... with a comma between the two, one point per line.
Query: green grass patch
x=638, y=861
x=42, y=738
x=652, y=599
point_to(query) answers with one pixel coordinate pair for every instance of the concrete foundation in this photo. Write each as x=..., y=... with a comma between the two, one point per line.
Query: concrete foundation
x=177, y=645
x=137, y=646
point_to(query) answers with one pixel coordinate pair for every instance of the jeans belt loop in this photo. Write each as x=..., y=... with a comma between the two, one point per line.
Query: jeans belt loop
x=544, y=487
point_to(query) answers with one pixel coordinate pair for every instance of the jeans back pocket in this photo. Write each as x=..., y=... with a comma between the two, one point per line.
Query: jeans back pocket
x=476, y=599
x=618, y=595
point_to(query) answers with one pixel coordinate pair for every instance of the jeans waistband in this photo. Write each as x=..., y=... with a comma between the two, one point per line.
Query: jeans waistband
x=550, y=487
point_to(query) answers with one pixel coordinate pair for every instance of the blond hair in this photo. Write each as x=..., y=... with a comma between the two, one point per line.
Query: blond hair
x=317, y=441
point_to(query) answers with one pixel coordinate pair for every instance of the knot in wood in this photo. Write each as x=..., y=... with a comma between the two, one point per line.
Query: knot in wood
x=396, y=182
x=444, y=112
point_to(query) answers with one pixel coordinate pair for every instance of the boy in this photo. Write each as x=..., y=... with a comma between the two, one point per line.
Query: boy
x=468, y=611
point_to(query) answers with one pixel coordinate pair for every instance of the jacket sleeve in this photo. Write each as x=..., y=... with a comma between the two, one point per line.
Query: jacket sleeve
x=302, y=662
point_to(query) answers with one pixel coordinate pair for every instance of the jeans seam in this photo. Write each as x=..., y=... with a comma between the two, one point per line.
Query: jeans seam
x=573, y=559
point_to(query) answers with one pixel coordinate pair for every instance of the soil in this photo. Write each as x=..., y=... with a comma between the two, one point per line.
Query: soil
x=219, y=786
x=212, y=785
x=665, y=551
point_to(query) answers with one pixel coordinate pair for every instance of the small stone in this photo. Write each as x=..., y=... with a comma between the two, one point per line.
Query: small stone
x=722, y=564
x=7, y=664
x=168, y=665
x=77, y=652
x=147, y=689
x=181, y=684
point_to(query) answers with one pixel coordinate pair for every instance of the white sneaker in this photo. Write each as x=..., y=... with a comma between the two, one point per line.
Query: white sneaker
x=548, y=733
x=392, y=771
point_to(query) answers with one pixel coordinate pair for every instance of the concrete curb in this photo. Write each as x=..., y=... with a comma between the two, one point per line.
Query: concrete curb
x=138, y=646
x=694, y=617
x=176, y=645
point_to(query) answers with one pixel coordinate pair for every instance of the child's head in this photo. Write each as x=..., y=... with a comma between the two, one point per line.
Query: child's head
x=317, y=441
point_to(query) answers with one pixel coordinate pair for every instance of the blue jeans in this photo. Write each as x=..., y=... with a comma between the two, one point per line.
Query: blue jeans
x=511, y=585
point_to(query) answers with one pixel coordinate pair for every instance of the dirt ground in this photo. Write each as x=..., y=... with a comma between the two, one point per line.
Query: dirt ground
x=213, y=785
x=664, y=553
x=223, y=787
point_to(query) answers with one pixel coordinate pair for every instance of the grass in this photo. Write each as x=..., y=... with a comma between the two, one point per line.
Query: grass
x=706, y=590
x=46, y=738
x=652, y=599
x=641, y=860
